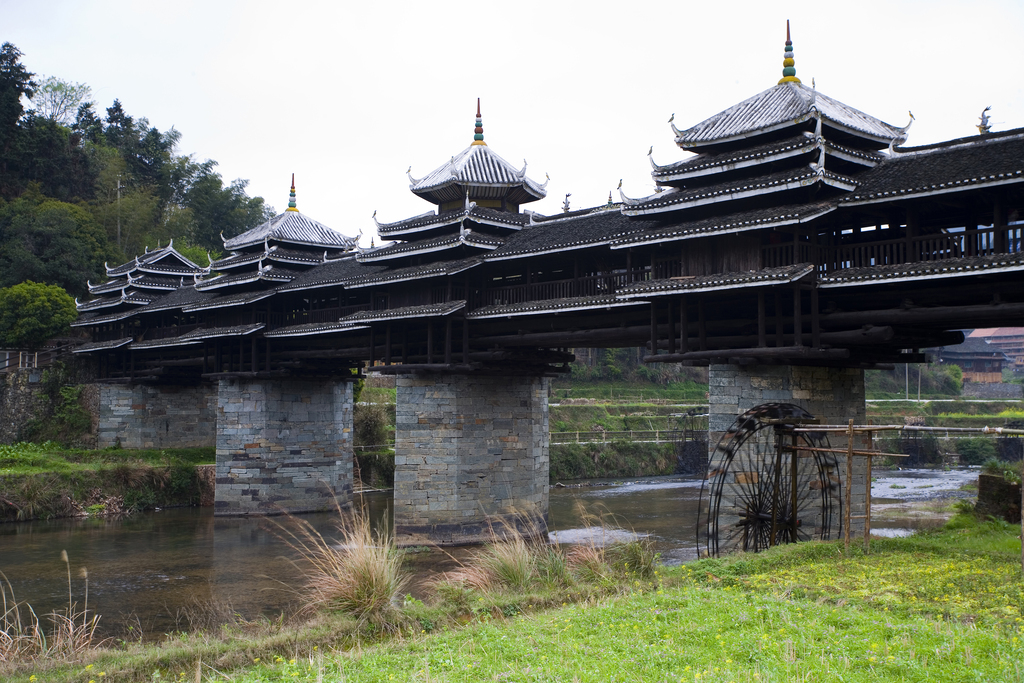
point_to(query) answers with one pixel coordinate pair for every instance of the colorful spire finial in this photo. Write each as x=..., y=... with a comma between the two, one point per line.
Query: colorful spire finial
x=788, y=63
x=291, y=197
x=478, y=132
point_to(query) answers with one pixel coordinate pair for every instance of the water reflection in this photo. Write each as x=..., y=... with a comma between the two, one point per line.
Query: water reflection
x=153, y=566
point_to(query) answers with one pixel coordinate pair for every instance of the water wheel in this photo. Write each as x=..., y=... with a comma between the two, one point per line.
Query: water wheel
x=762, y=489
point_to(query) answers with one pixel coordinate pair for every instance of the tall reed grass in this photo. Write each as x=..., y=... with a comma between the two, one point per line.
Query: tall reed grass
x=360, y=573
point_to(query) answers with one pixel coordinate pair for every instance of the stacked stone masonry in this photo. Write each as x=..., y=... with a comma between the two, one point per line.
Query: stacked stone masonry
x=833, y=395
x=165, y=416
x=283, y=446
x=471, y=456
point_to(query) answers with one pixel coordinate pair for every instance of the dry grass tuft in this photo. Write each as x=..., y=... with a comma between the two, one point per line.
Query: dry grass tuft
x=361, y=575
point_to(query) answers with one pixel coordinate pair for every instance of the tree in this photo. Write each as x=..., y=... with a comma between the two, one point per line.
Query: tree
x=31, y=313
x=15, y=81
x=60, y=100
x=45, y=240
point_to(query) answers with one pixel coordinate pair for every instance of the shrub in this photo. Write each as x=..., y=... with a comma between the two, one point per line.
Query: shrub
x=975, y=450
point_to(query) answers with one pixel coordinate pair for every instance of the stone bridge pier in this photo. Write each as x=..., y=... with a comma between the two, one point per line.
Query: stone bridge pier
x=283, y=445
x=156, y=416
x=471, y=456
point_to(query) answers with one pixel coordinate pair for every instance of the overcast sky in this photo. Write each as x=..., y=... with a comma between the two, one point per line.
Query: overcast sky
x=349, y=95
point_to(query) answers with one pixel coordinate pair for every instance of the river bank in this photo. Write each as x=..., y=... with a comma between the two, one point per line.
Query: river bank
x=940, y=605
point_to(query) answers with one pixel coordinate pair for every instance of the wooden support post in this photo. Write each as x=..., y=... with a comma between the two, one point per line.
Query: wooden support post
x=798, y=322
x=762, y=340
x=815, y=318
x=867, y=498
x=1001, y=244
x=654, y=328
x=779, y=439
x=241, y=353
x=793, y=507
x=848, y=498
x=205, y=353
x=779, y=341
x=684, y=325
x=405, y=343
x=430, y=342
x=671, y=329
x=267, y=357
x=911, y=233
x=253, y=364
x=465, y=341
x=702, y=329
x=448, y=340
x=387, y=343
x=373, y=344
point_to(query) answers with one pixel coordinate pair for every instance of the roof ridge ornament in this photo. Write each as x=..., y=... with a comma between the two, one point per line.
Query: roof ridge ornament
x=291, y=197
x=412, y=181
x=675, y=130
x=478, y=131
x=565, y=204
x=650, y=158
x=984, y=125
x=522, y=174
x=788, y=63
x=547, y=179
x=625, y=199
x=902, y=137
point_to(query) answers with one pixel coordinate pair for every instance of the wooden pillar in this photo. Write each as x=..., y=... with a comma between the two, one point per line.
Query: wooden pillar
x=387, y=344
x=266, y=355
x=448, y=340
x=373, y=347
x=911, y=233
x=465, y=341
x=702, y=332
x=405, y=343
x=205, y=352
x=430, y=341
x=815, y=318
x=253, y=360
x=779, y=341
x=654, y=329
x=671, y=329
x=999, y=223
x=762, y=340
x=684, y=325
x=241, y=353
x=798, y=323
x=970, y=228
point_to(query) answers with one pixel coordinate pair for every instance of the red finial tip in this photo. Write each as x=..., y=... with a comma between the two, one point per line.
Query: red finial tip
x=293, y=181
x=788, y=40
x=478, y=107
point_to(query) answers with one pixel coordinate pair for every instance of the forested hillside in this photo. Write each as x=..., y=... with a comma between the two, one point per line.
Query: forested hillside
x=80, y=186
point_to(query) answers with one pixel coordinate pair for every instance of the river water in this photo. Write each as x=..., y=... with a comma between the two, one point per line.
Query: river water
x=164, y=571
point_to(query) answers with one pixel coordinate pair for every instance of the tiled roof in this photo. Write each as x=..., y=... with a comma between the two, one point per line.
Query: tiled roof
x=946, y=167
x=128, y=296
x=753, y=219
x=924, y=270
x=336, y=272
x=310, y=329
x=293, y=227
x=780, y=106
x=576, y=232
x=275, y=253
x=468, y=238
x=481, y=171
x=144, y=281
x=710, y=283
x=239, y=299
x=424, y=311
x=270, y=273
x=422, y=272
x=179, y=298
x=972, y=347
x=164, y=260
x=703, y=164
x=475, y=214
x=197, y=336
x=566, y=305
x=102, y=346
x=674, y=199
x=88, y=320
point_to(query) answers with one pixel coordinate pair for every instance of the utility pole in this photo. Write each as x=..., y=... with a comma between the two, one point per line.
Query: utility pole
x=119, y=210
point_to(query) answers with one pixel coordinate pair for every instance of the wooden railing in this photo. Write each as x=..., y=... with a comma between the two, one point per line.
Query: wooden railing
x=590, y=285
x=635, y=435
